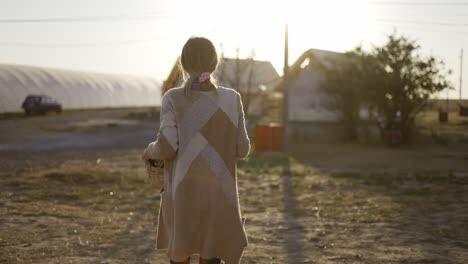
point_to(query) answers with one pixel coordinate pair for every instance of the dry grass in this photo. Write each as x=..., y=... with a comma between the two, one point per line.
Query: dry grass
x=78, y=212
x=453, y=132
x=337, y=214
x=87, y=125
x=337, y=204
x=104, y=211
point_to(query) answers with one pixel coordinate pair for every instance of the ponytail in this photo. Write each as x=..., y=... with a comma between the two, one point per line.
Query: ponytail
x=197, y=62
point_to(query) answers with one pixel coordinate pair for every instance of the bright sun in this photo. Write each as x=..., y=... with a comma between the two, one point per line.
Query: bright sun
x=336, y=25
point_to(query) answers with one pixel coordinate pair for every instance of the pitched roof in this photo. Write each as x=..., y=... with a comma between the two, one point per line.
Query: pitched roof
x=322, y=57
x=249, y=72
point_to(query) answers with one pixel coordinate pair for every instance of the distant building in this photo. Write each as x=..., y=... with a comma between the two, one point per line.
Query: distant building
x=254, y=79
x=309, y=117
x=452, y=105
x=74, y=89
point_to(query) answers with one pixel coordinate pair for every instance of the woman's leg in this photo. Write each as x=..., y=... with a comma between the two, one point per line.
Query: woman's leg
x=209, y=261
x=187, y=261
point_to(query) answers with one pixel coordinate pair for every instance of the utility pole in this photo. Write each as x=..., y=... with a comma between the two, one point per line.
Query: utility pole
x=447, y=101
x=285, y=90
x=222, y=49
x=221, y=77
x=461, y=74
x=238, y=71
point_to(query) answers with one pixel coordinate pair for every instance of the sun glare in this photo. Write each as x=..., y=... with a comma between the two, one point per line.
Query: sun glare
x=332, y=25
x=247, y=25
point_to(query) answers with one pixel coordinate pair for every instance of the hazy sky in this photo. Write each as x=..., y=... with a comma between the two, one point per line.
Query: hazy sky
x=144, y=37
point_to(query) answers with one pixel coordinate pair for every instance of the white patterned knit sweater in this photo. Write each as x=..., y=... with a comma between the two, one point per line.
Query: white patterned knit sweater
x=200, y=138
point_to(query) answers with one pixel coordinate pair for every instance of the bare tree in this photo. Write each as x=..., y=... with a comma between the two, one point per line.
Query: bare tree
x=245, y=67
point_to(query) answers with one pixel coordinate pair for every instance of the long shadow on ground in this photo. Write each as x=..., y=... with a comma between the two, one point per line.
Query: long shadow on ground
x=294, y=235
x=414, y=214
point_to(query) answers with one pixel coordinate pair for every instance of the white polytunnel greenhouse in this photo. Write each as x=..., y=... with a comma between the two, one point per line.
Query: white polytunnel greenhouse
x=74, y=89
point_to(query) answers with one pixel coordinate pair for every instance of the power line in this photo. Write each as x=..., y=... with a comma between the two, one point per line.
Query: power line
x=152, y=15
x=80, y=45
x=432, y=15
x=420, y=22
x=115, y=17
x=419, y=3
x=412, y=28
x=154, y=38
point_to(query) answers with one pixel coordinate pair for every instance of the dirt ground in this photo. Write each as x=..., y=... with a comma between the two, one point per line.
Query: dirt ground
x=73, y=190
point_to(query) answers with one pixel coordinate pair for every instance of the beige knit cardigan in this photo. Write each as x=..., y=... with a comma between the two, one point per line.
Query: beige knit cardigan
x=200, y=138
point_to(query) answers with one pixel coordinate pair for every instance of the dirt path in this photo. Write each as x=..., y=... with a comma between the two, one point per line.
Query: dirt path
x=87, y=129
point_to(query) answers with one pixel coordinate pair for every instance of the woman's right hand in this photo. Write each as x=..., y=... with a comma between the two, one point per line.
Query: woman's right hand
x=145, y=157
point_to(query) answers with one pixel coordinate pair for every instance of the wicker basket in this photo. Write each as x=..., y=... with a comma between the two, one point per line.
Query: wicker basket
x=155, y=169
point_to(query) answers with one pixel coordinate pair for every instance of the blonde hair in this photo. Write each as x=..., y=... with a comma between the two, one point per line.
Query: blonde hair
x=198, y=56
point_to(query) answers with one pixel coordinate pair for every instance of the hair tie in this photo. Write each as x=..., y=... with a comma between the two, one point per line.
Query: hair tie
x=203, y=77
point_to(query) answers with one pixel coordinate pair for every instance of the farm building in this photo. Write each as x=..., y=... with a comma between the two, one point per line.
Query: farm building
x=309, y=118
x=74, y=89
x=254, y=79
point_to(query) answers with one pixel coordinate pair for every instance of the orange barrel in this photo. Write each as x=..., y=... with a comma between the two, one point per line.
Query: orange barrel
x=268, y=137
x=262, y=138
x=276, y=137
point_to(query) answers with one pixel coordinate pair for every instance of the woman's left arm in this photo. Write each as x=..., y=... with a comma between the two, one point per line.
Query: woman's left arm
x=167, y=141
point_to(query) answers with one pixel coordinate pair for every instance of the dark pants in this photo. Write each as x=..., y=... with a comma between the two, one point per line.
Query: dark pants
x=200, y=261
